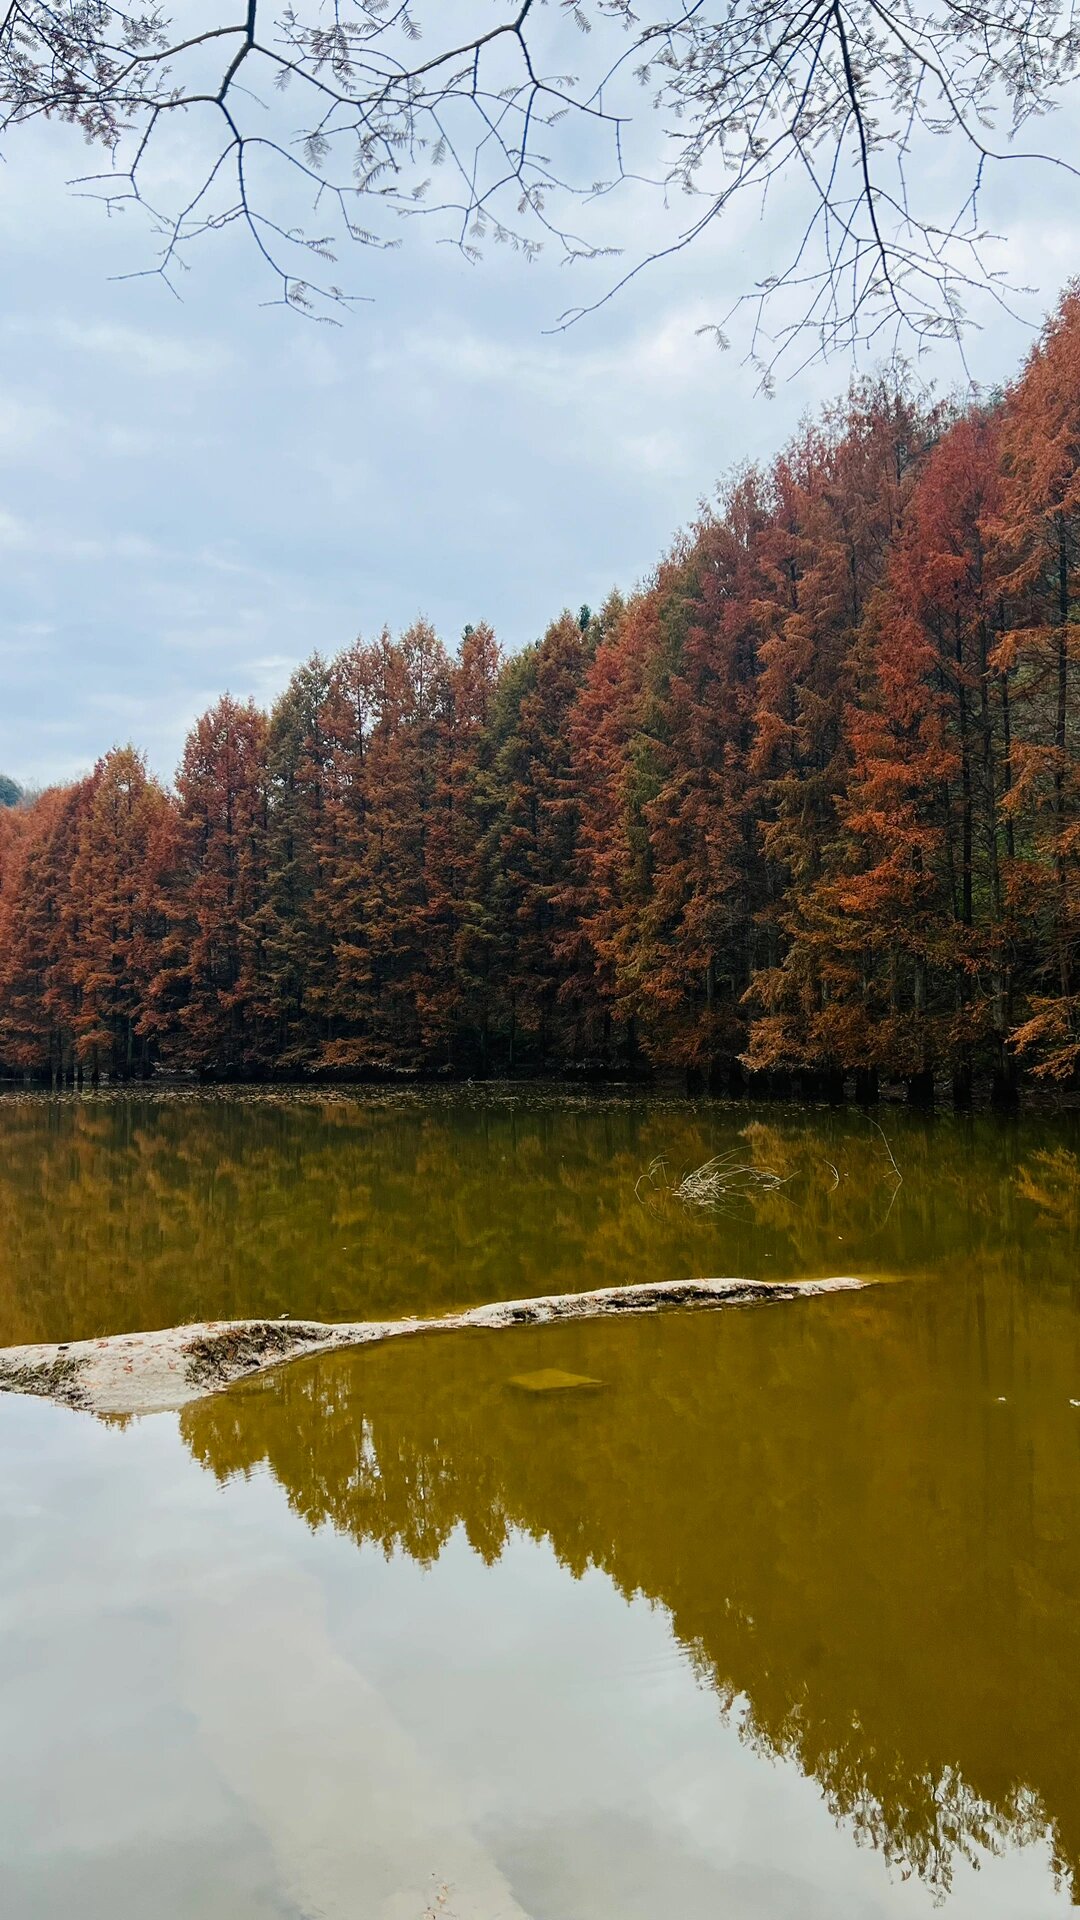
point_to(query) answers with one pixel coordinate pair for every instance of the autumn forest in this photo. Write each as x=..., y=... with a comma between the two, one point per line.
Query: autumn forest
x=805, y=804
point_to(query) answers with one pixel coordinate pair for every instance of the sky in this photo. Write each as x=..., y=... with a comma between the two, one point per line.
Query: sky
x=195, y=493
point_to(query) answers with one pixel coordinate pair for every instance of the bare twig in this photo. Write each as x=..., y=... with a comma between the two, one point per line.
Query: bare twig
x=720, y=1185
x=897, y=1175
x=838, y=101
x=892, y=1157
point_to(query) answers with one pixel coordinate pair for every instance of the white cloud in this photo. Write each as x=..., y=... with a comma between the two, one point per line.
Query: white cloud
x=158, y=354
x=58, y=543
x=27, y=426
x=15, y=535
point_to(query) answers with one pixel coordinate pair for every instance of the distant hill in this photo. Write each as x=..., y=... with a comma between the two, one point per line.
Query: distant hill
x=10, y=791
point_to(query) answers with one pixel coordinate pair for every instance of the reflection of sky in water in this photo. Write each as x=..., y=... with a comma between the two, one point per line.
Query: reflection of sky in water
x=210, y=1710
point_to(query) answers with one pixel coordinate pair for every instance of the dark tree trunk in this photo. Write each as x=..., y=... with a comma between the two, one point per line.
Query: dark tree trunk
x=866, y=1086
x=920, y=1089
x=962, y=1085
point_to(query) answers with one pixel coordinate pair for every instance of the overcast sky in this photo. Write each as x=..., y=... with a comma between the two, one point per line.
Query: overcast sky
x=194, y=496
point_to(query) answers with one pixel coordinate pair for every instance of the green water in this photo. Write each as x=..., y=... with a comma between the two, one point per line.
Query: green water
x=778, y=1621
x=119, y=1214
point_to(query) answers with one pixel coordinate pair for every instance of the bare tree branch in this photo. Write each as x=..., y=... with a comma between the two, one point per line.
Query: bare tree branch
x=837, y=101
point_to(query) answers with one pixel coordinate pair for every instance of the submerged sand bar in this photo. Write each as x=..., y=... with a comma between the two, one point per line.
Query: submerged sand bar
x=156, y=1372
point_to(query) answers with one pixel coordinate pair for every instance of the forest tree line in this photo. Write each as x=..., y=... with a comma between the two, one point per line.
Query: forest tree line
x=807, y=802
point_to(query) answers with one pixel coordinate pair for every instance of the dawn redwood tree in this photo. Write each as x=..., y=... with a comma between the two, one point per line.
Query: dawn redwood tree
x=456, y=985
x=350, y=713
x=208, y=993
x=666, y=841
x=60, y=917
x=838, y=499
x=388, y=943
x=294, y=923
x=14, y=822
x=36, y=995
x=609, y=880
x=1038, y=537
x=696, y=932
x=114, y=914
x=918, y=949
x=532, y=846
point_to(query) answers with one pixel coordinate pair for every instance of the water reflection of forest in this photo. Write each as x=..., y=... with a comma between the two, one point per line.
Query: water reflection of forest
x=862, y=1514
x=128, y=1213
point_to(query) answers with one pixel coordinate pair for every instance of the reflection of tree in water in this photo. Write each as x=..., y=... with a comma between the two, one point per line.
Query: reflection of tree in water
x=1049, y=1182
x=870, y=1557
x=127, y=1213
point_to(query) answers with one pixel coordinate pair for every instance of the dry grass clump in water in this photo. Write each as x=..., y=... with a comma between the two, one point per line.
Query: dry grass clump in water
x=724, y=1184
x=55, y=1380
x=220, y=1356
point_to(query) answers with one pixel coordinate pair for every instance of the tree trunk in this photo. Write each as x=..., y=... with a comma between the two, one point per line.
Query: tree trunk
x=1060, y=717
x=921, y=1089
x=866, y=1086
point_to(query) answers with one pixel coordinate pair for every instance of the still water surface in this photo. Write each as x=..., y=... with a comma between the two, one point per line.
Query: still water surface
x=779, y=1620
x=119, y=1214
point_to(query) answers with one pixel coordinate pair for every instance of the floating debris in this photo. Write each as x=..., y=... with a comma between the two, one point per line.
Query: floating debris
x=723, y=1184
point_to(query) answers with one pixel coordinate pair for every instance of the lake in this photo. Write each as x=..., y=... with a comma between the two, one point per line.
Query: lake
x=777, y=1617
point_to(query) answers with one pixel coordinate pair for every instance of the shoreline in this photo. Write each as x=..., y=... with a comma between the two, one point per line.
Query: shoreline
x=163, y=1370
x=768, y=1089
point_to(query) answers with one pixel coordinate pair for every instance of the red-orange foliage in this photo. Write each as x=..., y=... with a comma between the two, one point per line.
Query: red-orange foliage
x=113, y=905
x=532, y=846
x=608, y=881
x=1038, y=536
x=389, y=742
x=208, y=991
x=455, y=985
x=808, y=800
x=839, y=498
x=921, y=968
x=34, y=1035
x=82, y=924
